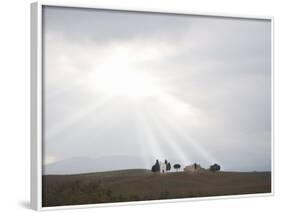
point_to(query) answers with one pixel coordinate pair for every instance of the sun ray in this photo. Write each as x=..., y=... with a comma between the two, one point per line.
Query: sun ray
x=65, y=124
x=196, y=145
x=179, y=130
x=163, y=131
x=150, y=139
x=145, y=153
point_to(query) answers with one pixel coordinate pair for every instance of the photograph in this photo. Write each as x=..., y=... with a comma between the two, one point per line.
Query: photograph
x=146, y=106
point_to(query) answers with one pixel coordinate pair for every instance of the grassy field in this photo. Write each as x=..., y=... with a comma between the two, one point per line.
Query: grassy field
x=134, y=185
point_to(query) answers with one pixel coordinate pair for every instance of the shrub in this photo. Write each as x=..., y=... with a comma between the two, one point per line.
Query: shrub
x=215, y=167
x=177, y=166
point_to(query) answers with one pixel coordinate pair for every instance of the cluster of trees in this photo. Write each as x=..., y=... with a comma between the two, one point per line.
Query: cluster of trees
x=156, y=166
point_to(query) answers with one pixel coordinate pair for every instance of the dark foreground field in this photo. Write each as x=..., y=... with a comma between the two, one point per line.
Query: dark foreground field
x=134, y=185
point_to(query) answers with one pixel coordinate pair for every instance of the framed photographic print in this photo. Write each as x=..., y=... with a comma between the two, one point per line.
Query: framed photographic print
x=137, y=106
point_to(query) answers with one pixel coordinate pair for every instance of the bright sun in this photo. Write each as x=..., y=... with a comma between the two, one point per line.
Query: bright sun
x=133, y=85
x=118, y=73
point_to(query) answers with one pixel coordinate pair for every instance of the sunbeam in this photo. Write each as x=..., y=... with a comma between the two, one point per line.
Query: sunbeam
x=164, y=134
x=151, y=141
x=65, y=124
x=143, y=145
x=179, y=130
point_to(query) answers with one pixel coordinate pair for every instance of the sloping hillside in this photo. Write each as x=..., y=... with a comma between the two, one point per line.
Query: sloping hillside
x=134, y=185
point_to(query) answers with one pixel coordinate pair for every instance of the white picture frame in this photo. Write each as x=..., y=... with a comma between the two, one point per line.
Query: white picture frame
x=37, y=104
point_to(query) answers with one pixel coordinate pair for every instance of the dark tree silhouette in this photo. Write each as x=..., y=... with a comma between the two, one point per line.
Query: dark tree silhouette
x=215, y=167
x=168, y=166
x=156, y=167
x=177, y=166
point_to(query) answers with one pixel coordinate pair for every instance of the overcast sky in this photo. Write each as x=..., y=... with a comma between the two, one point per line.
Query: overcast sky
x=157, y=86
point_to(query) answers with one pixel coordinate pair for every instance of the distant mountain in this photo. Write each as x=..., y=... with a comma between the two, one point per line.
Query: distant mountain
x=79, y=165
